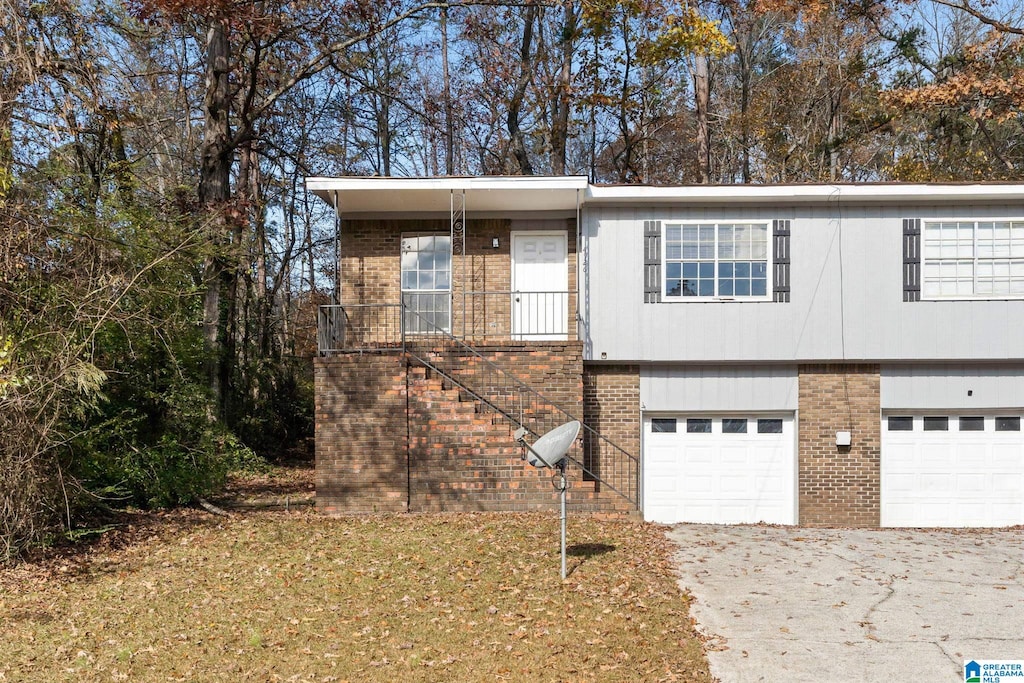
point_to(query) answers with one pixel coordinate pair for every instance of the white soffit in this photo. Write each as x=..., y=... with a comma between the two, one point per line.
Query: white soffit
x=433, y=195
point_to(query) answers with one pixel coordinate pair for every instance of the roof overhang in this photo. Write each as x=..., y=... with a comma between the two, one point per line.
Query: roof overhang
x=506, y=195
x=866, y=193
x=486, y=194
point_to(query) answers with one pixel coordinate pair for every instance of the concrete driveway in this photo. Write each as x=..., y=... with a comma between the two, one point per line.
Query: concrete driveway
x=791, y=604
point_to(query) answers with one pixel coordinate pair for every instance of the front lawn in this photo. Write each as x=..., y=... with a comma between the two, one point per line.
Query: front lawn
x=187, y=596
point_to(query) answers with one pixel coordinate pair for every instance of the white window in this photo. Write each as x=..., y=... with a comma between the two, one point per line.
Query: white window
x=973, y=259
x=426, y=283
x=716, y=261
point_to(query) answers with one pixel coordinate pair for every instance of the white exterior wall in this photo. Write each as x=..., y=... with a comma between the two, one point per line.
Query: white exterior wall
x=732, y=388
x=945, y=387
x=846, y=294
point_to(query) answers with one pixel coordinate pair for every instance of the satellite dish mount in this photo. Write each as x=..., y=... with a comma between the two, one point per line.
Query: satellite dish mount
x=550, y=451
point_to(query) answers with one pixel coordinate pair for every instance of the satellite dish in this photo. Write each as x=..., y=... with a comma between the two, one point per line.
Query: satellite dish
x=550, y=450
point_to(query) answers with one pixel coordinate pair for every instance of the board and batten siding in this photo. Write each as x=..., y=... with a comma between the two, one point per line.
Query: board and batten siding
x=715, y=388
x=846, y=286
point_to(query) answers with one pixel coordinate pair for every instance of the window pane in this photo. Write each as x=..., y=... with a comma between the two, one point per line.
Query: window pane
x=707, y=288
x=936, y=424
x=972, y=424
x=673, y=287
x=734, y=426
x=725, y=288
x=758, y=287
x=743, y=288
x=673, y=233
x=698, y=425
x=673, y=270
x=1007, y=424
x=725, y=270
x=690, y=269
x=690, y=287
x=663, y=425
x=743, y=270
x=707, y=270
x=769, y=426
x=901, y=424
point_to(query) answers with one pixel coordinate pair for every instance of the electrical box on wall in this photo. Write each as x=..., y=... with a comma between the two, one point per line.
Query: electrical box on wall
x=843, y=438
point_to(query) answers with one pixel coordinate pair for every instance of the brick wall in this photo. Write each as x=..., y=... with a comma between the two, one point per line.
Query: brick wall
x=360, y=433
x=371, y=274
x=611, y=405
x=460, y=457
x=839, y=485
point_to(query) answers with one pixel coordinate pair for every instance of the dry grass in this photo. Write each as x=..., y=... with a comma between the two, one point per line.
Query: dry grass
x=298, y=597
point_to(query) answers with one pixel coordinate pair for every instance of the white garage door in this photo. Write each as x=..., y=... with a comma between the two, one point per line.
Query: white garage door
x=952, y=470
x=719, y=469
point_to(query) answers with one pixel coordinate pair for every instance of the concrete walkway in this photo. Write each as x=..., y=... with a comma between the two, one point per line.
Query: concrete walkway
x=791, y=604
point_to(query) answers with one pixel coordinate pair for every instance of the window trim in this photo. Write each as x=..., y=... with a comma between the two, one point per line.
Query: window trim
x=925, y=260
x=769, y=294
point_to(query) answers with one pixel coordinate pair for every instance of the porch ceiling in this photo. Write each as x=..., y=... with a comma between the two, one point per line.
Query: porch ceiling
x=420, y=196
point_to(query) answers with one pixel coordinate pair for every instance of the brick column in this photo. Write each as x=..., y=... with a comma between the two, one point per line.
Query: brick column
x=839, y=485
x=611, y=405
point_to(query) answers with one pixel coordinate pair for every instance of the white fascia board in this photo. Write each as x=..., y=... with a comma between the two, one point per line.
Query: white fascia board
x=432, y=195
x=782, y=194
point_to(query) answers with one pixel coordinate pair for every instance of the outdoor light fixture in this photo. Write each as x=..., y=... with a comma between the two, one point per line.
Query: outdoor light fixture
x=494, y=242
x=843, y=438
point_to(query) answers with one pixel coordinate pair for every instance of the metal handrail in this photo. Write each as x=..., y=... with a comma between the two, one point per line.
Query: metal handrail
x=512, y=388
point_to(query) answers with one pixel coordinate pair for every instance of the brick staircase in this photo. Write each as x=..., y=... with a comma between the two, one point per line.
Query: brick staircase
x=463, y=456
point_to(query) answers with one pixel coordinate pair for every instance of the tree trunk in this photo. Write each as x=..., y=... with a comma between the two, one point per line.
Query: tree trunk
x=563, y=95
x=449, y=125
x=214, y=194
x=515, y=133
x=702, y=101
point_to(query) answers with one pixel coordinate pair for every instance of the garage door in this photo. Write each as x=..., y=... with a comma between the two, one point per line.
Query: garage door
x=952, y=470
x=719, y=469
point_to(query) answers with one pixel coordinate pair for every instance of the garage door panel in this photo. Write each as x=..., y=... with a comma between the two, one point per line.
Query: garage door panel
x=1007, y=457
x=722, y=476
x=952, y=478
x=696, y=484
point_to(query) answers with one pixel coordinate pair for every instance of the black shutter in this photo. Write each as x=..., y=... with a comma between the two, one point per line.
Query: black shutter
x=652, y=262
x=911, y=259
x=780, y=260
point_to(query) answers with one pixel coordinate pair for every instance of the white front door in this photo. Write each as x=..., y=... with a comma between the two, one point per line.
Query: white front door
x=952, y=470
x=540, y=285
x=730, y=469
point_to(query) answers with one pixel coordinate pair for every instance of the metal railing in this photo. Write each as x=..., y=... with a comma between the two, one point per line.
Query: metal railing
x=475, y=316
x=599, y=459
x=520, y=316
x=359, y=327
